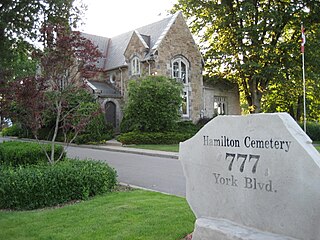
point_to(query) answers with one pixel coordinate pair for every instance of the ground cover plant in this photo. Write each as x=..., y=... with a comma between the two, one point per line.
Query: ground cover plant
x=119, y=215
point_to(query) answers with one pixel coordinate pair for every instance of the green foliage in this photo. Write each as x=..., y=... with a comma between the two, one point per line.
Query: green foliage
x=23, y=153
x=153, y=105
x=187, y=127
x=32, y=187
x=96, y=129
x=254, y=43
x=313, y=130
x=15, y=130
x=154, y=137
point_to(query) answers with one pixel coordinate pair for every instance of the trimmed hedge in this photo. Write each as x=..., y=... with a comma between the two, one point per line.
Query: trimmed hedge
x=23, y=153
x=153, y=138
x=32, y=187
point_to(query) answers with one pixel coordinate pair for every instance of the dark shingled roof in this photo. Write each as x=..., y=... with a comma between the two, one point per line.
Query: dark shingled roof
x=103, y=89
x=102, y=43
x=114, y=48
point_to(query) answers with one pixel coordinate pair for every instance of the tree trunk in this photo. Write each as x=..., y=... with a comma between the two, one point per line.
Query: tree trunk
x=56, y=128
x=255, y=97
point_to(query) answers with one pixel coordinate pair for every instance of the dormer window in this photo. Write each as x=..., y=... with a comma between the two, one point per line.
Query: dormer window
x=180, y=70
x=135, y=66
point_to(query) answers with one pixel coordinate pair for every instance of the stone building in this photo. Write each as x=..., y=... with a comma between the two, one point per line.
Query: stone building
x=164, y=48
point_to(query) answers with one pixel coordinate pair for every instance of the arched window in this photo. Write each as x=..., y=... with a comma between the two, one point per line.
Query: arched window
x=180, y=69
x=135, y=66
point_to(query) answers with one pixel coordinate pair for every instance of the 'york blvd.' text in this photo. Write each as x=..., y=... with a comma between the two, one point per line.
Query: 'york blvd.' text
x=251, y=183
x=248, y=142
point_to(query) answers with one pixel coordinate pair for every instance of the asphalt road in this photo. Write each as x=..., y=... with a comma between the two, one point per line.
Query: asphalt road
x=155, y=173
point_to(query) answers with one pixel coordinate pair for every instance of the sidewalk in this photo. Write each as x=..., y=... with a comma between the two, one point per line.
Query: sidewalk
x=113, y=146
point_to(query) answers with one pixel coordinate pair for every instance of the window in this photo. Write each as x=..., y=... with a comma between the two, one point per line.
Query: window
x=179, y=70
x=220, y=105
x=135, y=66
x=185, y=104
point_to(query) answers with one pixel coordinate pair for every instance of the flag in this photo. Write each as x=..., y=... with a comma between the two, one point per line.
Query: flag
x=303, y=38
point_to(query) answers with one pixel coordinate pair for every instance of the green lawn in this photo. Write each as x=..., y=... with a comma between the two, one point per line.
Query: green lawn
x=318, y=148
x=119, y=215
x=160, y=147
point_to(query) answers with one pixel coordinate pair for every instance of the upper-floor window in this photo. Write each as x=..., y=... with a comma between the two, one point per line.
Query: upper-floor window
x=180, y=70
x=135, y=66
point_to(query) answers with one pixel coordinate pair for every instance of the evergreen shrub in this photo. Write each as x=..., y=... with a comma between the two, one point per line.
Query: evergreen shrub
x=15, y=153
x=153, y=138
x=38, y=186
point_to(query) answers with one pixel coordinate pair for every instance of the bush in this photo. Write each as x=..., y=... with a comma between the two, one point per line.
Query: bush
x=153, y=105
x=24, y=153
x=32, y=187
x=153, y=138
x=15, y=130
x=313, y=130
x=95, y=131
x=187, y=126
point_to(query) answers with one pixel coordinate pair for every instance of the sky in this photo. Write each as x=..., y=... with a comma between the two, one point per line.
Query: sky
x=110, y=18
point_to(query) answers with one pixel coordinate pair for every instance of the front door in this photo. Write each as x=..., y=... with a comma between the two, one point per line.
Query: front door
x=111, y=114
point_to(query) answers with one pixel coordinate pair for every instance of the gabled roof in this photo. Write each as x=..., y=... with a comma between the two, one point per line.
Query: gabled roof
x=102, y=43
x=113, y=48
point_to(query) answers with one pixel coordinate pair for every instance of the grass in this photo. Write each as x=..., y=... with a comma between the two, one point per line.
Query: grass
x=318, y=148
x=119, y=215
x=160, y=147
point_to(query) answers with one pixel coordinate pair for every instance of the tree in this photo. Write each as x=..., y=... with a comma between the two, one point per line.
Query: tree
x=153, y=105
x=249, y=41
x=21, y=21
x=20, y=24
x=64, y=65
x=286, y=92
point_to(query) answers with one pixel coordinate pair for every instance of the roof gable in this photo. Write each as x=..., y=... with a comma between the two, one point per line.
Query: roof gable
x=113, y=49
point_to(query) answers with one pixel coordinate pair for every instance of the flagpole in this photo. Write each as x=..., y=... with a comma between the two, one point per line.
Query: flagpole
x=304, y=96
x=304, y=79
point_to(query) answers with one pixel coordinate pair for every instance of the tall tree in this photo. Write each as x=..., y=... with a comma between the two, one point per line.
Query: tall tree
x=20, y=24
x=248, y=41
x=64, y=66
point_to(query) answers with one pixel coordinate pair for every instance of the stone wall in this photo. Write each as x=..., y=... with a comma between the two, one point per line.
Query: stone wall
x=179, y=42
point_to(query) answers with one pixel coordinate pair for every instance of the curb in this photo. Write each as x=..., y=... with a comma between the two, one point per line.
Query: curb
x=110, y=148
x=131, y=150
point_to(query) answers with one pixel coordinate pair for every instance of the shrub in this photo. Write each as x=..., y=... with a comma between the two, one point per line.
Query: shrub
x=24, y=153
x=95, y=131
x=15, y=130
x=32, y=187
x=313, y=130
x=153, y=138
x=187, y=126
x=153, y=105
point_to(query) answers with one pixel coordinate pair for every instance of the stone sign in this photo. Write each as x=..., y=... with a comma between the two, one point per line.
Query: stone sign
x=253, y=177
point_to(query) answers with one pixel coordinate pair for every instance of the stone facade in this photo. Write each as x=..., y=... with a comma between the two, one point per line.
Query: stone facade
x=163, y=48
